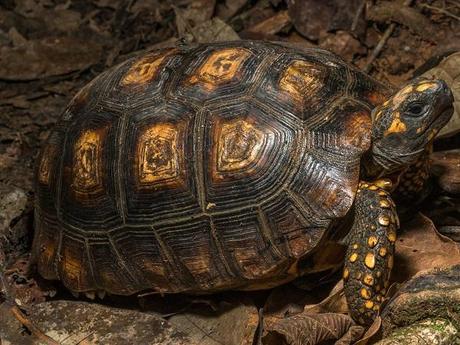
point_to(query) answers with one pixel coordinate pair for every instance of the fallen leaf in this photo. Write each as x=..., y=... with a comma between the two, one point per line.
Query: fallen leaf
x=193, y=14
x=311, y=329
x=371, y=332
x=420, y=247
x=446, y=167
x=290, y=320
x=214, y=30
x=16, y=38
x=447, y=70
x=13, y=202
x=47, y=57
x=311, y=17
x=343, y=44
x=24, y=288
x=229, y=8
x=61, y=20
x=12, y=19
x=198, y=11
x=393, y=11
x=287, y=300
x=334, y=303
x=272, y=25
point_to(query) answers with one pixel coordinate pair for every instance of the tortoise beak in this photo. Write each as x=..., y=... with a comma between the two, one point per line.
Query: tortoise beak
x=444, y=95
x=446, y=103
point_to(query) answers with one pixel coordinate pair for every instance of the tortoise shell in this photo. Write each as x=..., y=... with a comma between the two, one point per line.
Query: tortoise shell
x=202, y=168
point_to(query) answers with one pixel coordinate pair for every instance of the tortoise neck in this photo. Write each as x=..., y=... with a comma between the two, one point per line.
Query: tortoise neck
x=376, y=164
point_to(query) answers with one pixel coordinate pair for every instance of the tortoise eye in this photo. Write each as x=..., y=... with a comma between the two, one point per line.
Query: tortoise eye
x=415, y=109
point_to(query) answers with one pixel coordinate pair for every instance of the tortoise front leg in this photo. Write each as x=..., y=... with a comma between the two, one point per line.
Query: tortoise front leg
x=370, y=252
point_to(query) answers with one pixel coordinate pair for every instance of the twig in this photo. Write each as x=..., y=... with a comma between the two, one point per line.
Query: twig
x=19, y=315
x=358, y=15
x=181, y=21
x=5, y=297
x=441, y=10
x=379, y=47
x=272, y=25
x=454, y=3
x=261, y=326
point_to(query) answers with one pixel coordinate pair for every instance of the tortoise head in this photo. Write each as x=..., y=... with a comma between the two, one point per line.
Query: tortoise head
x=406, y=123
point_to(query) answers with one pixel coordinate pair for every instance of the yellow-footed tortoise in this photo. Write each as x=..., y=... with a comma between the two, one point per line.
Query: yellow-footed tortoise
x=229, y=166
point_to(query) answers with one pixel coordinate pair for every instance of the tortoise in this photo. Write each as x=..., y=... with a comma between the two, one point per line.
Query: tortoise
x=234, y=165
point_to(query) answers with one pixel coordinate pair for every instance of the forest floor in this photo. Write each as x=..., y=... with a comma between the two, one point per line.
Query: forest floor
x=49, y=49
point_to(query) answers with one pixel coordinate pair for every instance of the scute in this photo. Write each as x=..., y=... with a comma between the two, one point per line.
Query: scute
x=201, y=168
x=145, y=69
x=157, y=153
x=301, y=78
x=239, y=145
x=220, y=67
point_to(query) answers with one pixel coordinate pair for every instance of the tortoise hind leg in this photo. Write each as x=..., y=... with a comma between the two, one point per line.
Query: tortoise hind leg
x=369, y=258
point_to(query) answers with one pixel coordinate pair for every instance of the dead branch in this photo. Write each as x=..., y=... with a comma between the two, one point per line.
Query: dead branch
x=379, y=47
x=358, y=15
x=441, y=10
x=22, y=318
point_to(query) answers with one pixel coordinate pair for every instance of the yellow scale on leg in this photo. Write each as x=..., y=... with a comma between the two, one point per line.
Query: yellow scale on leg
x=370, y=254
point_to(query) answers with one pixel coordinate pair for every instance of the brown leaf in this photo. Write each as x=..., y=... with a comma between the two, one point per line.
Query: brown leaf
x=229, y=8
x=198, y=11
x=371, y=332
x=13, y=202
x=26, y=290
x=334, y=303
x=310, y=329
x=446, y=166
x=420, y=247
x=447, y=70
x=272, y=25
x=311, y=17
x=214, y=30
x=61, y=20
x=393, y=11
x=287, y=300
x=47, y=57
x=343, y=44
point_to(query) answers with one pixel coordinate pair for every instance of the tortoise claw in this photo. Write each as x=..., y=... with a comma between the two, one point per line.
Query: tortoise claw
x=384, y=183
x=90, y=294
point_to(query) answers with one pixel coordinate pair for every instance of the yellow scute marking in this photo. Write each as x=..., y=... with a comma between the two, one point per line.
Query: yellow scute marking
x=221, y=66
x=401, y=95
x=144, y=70
x=87, y=160
x=301, y=78
x=157, y=153
x=239, y=144
x=397, y=126
x=425, y=86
